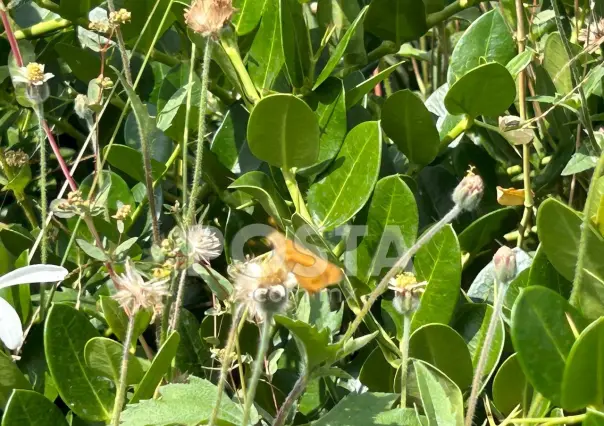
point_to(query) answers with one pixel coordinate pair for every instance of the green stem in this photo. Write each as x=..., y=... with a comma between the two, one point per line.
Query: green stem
x=120, y=396
x=121, y=46
x=43, y=28
x=265, y=338
x=226, y=362
x=201, y=129
x=384, y=49
x=292, y=397
x=400, y=263
x=294, y=191
x=465, y=123
x=178, y=303
x=404, y=346
x=229, y=44
x=547, y=420
x=185, y=137
x=442, y=15
x=484, y=353
x=39, y=109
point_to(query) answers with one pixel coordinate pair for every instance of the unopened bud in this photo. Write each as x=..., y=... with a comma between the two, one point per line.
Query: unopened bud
x=468, y=193
x=505, y=264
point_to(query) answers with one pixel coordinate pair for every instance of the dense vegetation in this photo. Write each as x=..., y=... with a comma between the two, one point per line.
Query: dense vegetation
x=433, y=170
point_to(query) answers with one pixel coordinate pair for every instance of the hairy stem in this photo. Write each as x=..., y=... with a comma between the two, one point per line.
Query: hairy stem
x=39, y=108
x=185, y=137
x=120, y=396
x=265, y=337
x=484, y=353
x=291, y=398
x=177, y=304
x=400, y=263
x=121, y=46
x=226, y=362
x=201, y=129
x=404, y=346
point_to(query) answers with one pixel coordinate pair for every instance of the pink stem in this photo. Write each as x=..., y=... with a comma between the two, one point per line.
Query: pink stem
x=10, y=35
x=55, y=149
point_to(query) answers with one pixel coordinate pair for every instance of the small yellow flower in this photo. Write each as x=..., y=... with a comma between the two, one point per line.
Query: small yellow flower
x=100, y=26
x=123, y=212
x=408, y=292
x=120, y=17
x=32, y=74
x=105, y=83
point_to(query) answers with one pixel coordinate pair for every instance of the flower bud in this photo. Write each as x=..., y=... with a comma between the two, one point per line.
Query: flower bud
x=505, y=264
x=468, y=193
x=207, y=17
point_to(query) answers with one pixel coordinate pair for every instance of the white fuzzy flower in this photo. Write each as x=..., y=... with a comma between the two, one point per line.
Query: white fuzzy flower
x=203, y=243
x=32, y=74
x=263, y=285
x=11, y=331
x=135, y=293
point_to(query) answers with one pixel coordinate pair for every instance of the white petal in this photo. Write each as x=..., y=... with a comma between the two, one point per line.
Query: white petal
x=11, y=331
x=34, y=274
x=20, y=79
x=48, y=76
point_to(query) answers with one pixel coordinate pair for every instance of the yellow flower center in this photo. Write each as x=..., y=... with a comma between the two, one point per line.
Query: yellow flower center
x=35, y=72
x=405, y=279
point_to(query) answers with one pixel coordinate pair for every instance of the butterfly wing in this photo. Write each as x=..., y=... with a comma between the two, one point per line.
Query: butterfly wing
x=11, y=331
x=33, y=274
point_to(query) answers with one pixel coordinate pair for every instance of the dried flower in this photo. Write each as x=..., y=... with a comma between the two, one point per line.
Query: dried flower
x=505, y=264
x=100, y=26
x=135, y=293
x=203, y=244
x=75, y=205
x=120, y=17
x=16, y=159
x=263, y=285
x=407, y=292
x=81, y=106
x=592, y=36
x=122, y=212
x=468, y=193
x=32, y=74
x=208, y=17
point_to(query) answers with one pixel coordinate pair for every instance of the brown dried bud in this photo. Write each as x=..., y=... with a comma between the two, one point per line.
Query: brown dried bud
x=16, y=159
x=207, y=17
x=468, y=193
x=505, y=264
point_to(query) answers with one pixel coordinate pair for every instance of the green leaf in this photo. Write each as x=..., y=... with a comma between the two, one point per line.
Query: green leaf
x=130, y=161
x=439, y=263
x=66, y=333
x=520, y=62
x=265, y=58
x=441, y=398
x=187, y=404
x=192, y=352
x=159, y=367
x=579, y=162
x=402, y=416
x=29, y=408
x=558, y=227
x=488, y=89
x=593, y=418
x=295, y=41
x=556, y=63
x=339, y=14
x=472, y=323
x=20, y=181
x=488, y=39
x=331, y=111
x=442, y=347
x=338, y=53
x=118, y=192
x=409, y=124
x=93, y=251
x=11, y=378
x=145, y=13
x=261, y=187
x=396, y=20
x=219, y=285
x=230, y=143
x=104, y=356
x=118, y=320
x=543, y=338
x=488, y=227
x=392, y=218
x=284, y=131
x=247, y=15
x=355, y=94
x=84, y=64
x=583, y=380
x=359, y=409
x=510, y=387
x=543, y=273
x=377, y=374
x=349, y=181
x=312, y=342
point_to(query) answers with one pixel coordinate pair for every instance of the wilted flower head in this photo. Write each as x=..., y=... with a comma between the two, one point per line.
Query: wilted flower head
x=468, y=193
x=505, y=264
x=32, y=74
x=202, y=243
x=120, y=17
x=207, y=17
x=592, y=36
x=262, y=284
x=16, y=158
x=100, y=26
x=134, y=293
x=81, y=106
x=407, y=292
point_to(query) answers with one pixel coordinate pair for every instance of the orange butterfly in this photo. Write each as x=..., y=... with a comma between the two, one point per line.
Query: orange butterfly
x=312, y=272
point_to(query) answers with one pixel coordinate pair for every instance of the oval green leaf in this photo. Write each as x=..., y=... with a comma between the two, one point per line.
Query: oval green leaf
x=543, y=337
x=247, y=15
x=396, y=20
x=488, y=89
x=349, y=180
x=510, y=387
x=11, y=378
x=409, y=124
x=104, y=356
x=284, y=132
x=66, y=333
x=295, y=40
x=29, y=408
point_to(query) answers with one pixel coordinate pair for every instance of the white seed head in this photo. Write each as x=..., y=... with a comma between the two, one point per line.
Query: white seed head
x=203, y=244
x=135, y=293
